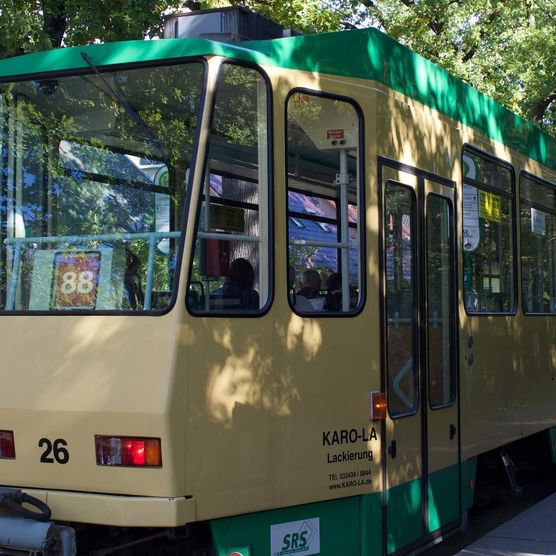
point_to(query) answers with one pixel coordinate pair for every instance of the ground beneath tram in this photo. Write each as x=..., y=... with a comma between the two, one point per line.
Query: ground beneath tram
x=498, y=506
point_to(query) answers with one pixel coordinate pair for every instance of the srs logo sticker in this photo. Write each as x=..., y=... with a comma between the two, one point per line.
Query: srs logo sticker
x=295, y=537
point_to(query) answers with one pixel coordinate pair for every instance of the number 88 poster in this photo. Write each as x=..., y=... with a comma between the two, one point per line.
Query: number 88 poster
x=75, y=280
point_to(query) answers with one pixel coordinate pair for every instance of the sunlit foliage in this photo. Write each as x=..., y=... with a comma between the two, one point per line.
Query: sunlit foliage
x=504, y=48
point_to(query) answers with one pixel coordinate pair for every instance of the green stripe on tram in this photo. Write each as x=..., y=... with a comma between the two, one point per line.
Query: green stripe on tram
x=344, y=526
x=117, y=53
x=349, y=525
x=382, y=59
x=404, y=518
x=443, y=494
x=405, y=71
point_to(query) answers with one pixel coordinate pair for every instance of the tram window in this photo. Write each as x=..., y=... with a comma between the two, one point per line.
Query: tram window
x=230, y=270
x=401, y=301
x=488, y=242
x=440, y=306
x=95, y=170
x=324, y=220
x=538, y=244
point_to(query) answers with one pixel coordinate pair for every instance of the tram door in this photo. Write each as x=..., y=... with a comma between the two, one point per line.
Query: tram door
x=419, y=358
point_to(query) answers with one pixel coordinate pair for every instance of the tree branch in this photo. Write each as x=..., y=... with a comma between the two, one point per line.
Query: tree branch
x=373, y=8
x=545, y=11
x=482, y=35
x=538, y=109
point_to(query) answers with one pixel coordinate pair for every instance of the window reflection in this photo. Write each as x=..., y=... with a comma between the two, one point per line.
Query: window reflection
x=231, y=265
x=95, y=164
x=401, y=300
x=440, y=309
x=538, y=245
x=488, y=243
x=324, y=243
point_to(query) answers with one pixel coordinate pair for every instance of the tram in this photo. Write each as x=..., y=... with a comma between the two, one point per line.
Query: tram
x=263, y=297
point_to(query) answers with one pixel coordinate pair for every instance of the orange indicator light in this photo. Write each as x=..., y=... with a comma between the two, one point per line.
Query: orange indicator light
x=378, y=406
x=153, y=456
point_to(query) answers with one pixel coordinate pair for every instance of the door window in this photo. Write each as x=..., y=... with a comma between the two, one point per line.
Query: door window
x=401, y=298
x=440, y=306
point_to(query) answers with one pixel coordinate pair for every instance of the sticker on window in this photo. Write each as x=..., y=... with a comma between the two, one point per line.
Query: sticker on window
x=538, y=222
x=75, y=280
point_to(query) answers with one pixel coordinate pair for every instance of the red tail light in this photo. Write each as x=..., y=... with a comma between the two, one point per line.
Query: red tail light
x=7, y=445
x=128, y=451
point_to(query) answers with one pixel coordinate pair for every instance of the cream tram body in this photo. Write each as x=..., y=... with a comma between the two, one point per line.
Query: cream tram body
x=264, y=415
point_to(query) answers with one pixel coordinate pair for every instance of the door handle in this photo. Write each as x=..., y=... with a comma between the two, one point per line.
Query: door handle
x=392, y=449
x=453, y=431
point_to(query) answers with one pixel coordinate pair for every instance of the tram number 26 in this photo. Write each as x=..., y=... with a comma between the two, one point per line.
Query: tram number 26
x=54, y=451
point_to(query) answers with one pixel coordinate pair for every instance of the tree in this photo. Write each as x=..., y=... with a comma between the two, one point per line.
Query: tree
x=31, y=25
x=306, y=16
x=504, y=48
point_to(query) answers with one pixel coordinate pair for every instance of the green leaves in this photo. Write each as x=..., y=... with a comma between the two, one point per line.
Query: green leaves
x=504, y=48
x=31, y=25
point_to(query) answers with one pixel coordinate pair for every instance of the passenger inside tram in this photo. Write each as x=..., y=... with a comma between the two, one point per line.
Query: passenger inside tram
x=239, y=284
x=310, y=290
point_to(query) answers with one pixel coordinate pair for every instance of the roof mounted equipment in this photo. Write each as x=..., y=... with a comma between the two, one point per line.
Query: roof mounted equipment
x=223, y=24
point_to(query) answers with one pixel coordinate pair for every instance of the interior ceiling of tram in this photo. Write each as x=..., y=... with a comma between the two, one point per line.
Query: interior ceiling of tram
x=314, y=170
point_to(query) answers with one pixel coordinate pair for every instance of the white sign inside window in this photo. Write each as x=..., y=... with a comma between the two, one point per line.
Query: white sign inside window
x=538, y=222
x=471, y=232
x=162, y=209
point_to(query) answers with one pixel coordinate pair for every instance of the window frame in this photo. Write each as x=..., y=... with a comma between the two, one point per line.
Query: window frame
x=541, y=181
x=270, y=198
x=469, y=148
x=360, y=204
x=82, y=71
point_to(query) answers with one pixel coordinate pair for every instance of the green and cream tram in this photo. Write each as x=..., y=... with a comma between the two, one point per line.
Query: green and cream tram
x=167, y=371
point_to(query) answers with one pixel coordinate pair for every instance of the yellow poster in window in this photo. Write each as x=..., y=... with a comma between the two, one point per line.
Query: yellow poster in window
x=489, y=206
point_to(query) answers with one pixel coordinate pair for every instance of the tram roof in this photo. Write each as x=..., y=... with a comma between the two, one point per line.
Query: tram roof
x=382, y=59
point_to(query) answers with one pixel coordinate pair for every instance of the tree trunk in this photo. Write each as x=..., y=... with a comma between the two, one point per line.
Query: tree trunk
x=54, y=21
